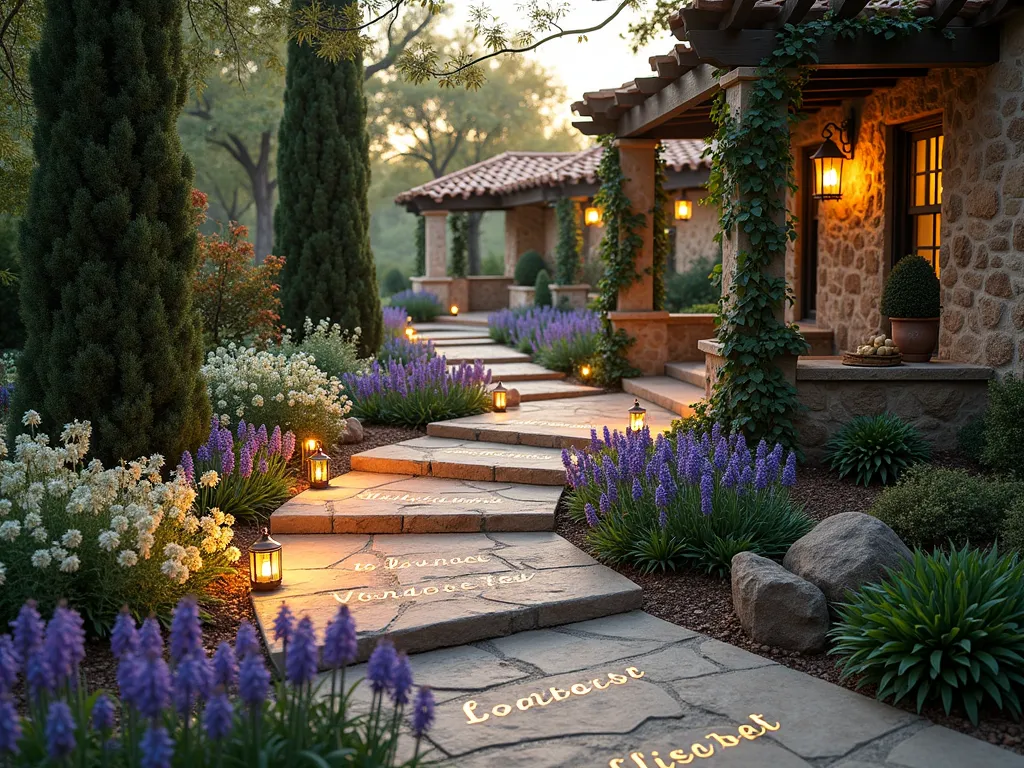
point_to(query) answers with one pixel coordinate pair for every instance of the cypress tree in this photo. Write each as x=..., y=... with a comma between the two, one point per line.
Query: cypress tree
x=322, y=222
x=108, y=242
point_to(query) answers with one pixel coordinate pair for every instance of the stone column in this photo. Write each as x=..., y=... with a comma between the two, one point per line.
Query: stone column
x=636, y=157
x=437, y=243
x=524, y=231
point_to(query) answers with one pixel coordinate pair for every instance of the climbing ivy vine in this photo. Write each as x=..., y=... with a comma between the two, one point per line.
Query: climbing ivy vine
x=570, y=241
x=458, y=224
x=751, y=173
x=662, y=227
x=618, y=250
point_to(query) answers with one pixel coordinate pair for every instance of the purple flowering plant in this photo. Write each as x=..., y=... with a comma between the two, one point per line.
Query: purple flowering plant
x=243, y=474
x=417, y=393
x=395, y=321
x=556, y=338
x=421, y=306
x=177, y=706
x=697, y=500
x=401, y=350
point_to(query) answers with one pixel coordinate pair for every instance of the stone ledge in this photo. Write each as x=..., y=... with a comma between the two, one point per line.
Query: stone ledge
x=710, y=346
x=652, y=316
x=832, y=369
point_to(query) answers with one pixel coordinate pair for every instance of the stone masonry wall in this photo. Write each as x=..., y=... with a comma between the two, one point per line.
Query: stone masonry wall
x=695, y=238
x=982, y=251
x=525, y=228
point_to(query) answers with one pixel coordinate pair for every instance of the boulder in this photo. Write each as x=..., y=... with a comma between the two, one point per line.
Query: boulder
x=845, y=552
x=353, y=432
x=513, y=398
x=776, y=607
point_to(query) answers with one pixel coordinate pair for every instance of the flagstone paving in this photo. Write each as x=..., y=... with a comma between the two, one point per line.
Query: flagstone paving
x=465, y=460
x=494, y=353
x=366, y=502
x=442, y=343
x=630, y=690
x=429, y=591
x=552, y=423
x=511, y=372
x=532, y=391
x=668, y=392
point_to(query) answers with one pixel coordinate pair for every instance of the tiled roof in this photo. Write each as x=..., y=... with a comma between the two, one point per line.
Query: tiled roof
x=517, y=171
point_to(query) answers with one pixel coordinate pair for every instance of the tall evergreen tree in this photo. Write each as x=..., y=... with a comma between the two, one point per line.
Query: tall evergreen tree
x=322, y=223
x=108, y=243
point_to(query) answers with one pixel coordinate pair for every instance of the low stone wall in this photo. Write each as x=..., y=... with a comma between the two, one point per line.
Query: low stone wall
x=520, y=296
x=938, y=398
x=649, y=351
x=574, y=295
x=487, y=292
x=684, y=331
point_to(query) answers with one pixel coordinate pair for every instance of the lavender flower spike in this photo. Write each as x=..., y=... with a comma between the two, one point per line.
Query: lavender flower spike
x=284, y=625
x=707, y=489
x=225, y=666
x=402, y=683
x=218, y=717
x=186, y=634
x=125, y=637
x=253, y=680
x=10, y=663
x=301, y=658
x=422, y=712
x=789, y=471
x=246, y=641
x=103, y=713
x=157, y=748
x=380, y=670
x=10, y=727
x=591, y=513
x=29, y=630
x=60, y=731
x=340, y=640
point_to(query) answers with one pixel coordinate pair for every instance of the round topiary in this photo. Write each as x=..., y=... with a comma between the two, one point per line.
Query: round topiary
x=529, y=264
x=912, y=290
x=541, y=289
x=393, y=282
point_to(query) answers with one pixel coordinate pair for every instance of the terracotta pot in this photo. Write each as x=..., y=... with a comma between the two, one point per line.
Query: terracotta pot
x=916, y=337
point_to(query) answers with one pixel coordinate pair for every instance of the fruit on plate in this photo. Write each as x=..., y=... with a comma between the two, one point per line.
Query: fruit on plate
x=878, y=344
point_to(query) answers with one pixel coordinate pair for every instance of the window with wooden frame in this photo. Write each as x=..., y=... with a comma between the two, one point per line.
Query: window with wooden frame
x=918, y=211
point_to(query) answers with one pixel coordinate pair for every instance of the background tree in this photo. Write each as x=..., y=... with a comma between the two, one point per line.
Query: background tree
x=322, y=221
x=108, y=240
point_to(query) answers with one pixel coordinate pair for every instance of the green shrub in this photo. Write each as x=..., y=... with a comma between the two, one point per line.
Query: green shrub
x=655, y=508
x=970, y=439
x=944, y=627
x=541, y=289
x=335, y=351
x=421, y=306
x=912, y=289
x=700, y=422
x=1004, y=426
x=570, y=241
x=692, y=286
x=1012, y=533
x=529, y=264
x=934, y=506
x=700, y=309
x=876, y=448
x=393, y=282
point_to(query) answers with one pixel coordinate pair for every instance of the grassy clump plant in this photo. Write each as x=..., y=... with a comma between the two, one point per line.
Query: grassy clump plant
x=876, y=448
x=945, y=627
x=657, y=506
x=934, y=505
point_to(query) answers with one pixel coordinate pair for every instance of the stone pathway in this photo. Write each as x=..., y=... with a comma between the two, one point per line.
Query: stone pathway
x=487, y=353
x=537, y=654
x=668, y=392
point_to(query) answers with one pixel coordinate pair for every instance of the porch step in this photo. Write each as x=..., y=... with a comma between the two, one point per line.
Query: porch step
x=488, y=354
x=473, y=319
x=670, y=393
x=553, y=423
x=443, y=342
x=465, y=459
x=691, y=372
x=440, y=590
x=532, y=391
x=511, y=372
x=368, y=502
x=820, y=339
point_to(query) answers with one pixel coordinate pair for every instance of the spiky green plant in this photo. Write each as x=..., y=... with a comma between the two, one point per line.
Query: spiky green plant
x=876, y=448
x=945, y=627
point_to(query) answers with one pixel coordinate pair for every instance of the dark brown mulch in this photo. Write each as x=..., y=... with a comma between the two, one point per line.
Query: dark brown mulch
x=703, y=603
x=229, y=604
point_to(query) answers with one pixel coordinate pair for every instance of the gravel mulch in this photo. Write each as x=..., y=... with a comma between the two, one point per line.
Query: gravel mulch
x=703, y=603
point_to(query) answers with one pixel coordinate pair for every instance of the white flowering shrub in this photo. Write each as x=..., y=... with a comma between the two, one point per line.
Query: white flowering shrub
x=278, y=390
x=335, y=350
x=101, y=538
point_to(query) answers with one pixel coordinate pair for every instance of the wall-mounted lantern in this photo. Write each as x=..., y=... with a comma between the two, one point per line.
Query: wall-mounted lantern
x=684, y=209
x=830, y=158
x=454, y=309
x=592, y=216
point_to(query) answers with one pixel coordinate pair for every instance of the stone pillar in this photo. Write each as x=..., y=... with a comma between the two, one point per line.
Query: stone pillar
x=636, y=157
x=524, y=231
x=437, y=243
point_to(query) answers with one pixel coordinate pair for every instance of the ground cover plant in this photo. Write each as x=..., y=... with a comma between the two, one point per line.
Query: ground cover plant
x=417, y=393
x=945, y=627
x=658, y=505
x=421, y=306
x=101, y=539
x=1004, y=426
x=177, y=706
x=334, y=350
x=286, y=391
x=556, y=338
x=877, y=448
x=253, y=477
x=933, y=506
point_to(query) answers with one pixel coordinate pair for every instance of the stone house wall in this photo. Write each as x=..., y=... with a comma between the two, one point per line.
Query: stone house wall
x=525, y=230
x=982, y=234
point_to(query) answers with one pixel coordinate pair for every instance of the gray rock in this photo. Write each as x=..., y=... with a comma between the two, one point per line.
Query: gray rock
x=776, y=607
x=845, y=552
x=353, y=432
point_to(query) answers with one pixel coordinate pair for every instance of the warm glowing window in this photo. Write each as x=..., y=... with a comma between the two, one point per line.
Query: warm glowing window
x=924, y=194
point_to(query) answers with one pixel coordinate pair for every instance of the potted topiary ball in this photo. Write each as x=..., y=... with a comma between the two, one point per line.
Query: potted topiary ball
x=911, y=301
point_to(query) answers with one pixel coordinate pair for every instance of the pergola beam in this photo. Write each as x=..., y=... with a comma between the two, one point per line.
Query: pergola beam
x=944, y=11
x=693, y=88
x=847, y=9
x=737, y=16
x=794, y=11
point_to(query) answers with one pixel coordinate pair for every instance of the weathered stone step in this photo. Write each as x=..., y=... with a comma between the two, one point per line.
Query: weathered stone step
x=465, y=460
x=473, y=319
x=440, y=590
x=514, y=372
x=671, y=394
x=532, y=391
x=442, y=342
x=692, y=372
x=553, y=423
x=493, y=353
x=367, y=502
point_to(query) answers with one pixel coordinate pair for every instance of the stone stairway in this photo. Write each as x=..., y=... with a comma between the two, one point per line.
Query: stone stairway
x=668, y=392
